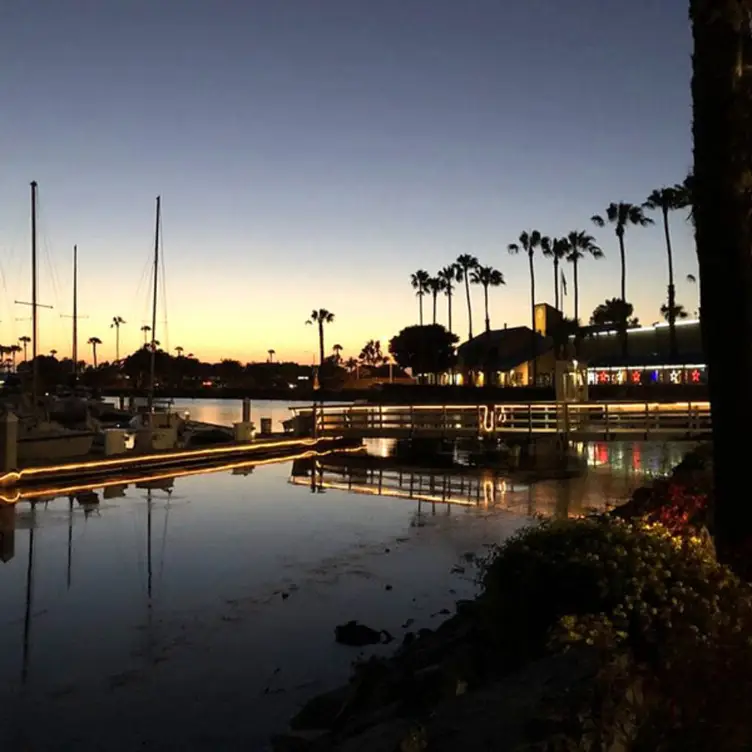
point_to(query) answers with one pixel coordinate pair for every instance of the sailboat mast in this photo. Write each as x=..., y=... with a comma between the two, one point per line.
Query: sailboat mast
x=75, y=312
x=153, y=362
x=34, y=374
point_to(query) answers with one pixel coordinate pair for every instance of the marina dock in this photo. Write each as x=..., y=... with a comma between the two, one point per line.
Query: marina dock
x=134, y=464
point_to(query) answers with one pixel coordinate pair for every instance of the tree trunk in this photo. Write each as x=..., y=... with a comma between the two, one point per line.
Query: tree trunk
x=624, y=335
x=321, y=342
x=117, y=343
x=485, y=300
x=556, y=283
x=532, y=376
x=576, y=283
x=94, y=354
x=435, y=296
x=722, y=162
x=420, y=308
x=673, y=347
x=449, y=308
x=469, y=307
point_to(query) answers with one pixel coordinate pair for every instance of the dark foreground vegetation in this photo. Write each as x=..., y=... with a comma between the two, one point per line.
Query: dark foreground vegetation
x=618, y=631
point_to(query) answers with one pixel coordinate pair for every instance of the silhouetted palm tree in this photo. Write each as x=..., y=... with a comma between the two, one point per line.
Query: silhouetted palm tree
x=667, y=200
x=528, y=242
x=53, y=352
x=679, y=312
x=179, y=350
x=25, y=342
x=94, y=341
x=449, y=275
x=337, y=350
x=622, y=215
x=146, y=329
x=321, y=317
x=579, y=245
x=435, y=285
x=419, y=280
x=556, y=249
x=464, y=265
x=486, y=276
x=271, y=353
x=117, y=322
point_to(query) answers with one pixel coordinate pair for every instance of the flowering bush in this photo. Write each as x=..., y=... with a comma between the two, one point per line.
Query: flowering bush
x=681, y=620
x=600, y=578
x=677, y=507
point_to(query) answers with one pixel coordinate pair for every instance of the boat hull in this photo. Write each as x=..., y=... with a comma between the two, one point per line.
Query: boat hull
x=55, y=446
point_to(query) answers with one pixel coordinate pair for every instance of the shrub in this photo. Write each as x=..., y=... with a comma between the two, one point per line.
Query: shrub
x=682, y=621
x=586, y=579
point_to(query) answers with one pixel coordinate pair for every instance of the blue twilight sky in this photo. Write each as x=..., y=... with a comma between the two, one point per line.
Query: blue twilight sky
x=316, y=152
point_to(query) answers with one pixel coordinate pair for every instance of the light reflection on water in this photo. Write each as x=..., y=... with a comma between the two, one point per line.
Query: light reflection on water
x=203, y=609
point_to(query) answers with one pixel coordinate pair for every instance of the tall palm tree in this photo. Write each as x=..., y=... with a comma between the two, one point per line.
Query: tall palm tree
x=555, y=249
x=117, y=322
x=692, y=279
x=146, y=329
x=179, y=350
x=528, y=242
x=679, y=312
x=94, y=341
x=667, y=200
x=464, y=265
x=337, y=350
x=321, y=317
x=435, y=286
x=419, y=281
x=579, y=245
x=53, y=352
x=488, y=277
x=271, y=352
x=448, y=276
x=622, y=215
x=25, y=342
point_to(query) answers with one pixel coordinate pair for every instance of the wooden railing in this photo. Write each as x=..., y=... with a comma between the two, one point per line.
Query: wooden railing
x=604, y=419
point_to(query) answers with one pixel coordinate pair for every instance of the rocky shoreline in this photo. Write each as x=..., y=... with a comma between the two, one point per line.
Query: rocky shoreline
x=487, y=678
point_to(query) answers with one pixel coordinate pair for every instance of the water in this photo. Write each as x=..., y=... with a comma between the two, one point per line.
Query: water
x=200, y=615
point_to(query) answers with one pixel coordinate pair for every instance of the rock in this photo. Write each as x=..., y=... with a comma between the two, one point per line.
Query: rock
x=359, y=635
x=321, y=712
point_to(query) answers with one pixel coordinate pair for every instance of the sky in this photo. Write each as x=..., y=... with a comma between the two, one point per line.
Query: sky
x=315, y=153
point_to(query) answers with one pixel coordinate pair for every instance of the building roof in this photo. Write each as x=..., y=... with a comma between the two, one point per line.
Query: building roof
x=501, y=349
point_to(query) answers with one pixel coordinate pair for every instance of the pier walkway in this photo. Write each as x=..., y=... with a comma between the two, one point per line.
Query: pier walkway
x=576, y=421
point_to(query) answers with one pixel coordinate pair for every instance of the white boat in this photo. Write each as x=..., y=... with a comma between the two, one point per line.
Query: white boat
x=44, y=440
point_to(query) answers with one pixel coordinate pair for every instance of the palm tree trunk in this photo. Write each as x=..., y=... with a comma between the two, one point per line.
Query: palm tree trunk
x=673, y=347
x=623, y=257
x=469, y=306
x=449, y=306
x=420, y=308
x=556, y=283
x=576, y=283
x=435, y=297
x=532, y=376
x=485, y=300
x=117, y=343
x=94, y=354
x=722, y=157
x=321, y=342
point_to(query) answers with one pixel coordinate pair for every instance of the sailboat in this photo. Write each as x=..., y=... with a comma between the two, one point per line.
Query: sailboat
x=161, y=427
x=39, y=438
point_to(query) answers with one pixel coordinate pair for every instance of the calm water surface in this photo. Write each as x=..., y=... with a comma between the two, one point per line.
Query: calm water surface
x=200, y=614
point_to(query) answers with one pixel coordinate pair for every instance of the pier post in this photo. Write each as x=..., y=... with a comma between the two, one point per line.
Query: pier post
x=8, y=441
x=246, y=410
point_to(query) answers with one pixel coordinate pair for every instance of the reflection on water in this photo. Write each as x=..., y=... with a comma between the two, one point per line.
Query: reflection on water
x=202, y=607
x=611, y=472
